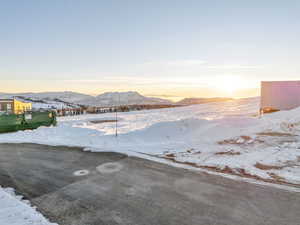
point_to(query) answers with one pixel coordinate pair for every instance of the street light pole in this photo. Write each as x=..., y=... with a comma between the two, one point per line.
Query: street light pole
x=117, y=115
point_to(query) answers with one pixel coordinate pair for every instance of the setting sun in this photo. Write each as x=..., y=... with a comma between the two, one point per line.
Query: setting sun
x=230, y=85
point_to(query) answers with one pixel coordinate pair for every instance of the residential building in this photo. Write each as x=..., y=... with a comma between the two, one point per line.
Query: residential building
x=13, y=106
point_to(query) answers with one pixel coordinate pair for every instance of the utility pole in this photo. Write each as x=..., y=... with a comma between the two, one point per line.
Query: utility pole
x=117, y=114
x=116, y=122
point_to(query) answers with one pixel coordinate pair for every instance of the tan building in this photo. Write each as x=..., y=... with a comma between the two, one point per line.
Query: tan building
x=14, y=106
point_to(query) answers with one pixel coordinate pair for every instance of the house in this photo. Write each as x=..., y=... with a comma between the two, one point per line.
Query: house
x=14, y=106
x=98, y=109
x=279, y=95
x=70, y=111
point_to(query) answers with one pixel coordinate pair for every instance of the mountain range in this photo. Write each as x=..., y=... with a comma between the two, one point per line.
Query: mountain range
x=121, y=98
x=105, y=99
x=67, y=96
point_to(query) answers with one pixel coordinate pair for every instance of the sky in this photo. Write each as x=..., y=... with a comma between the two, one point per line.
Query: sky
x=171, y=49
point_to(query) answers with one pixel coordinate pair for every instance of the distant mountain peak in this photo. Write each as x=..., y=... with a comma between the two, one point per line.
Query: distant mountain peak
x=122, y=98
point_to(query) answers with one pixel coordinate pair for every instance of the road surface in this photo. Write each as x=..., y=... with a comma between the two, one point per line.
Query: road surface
x=72, y=187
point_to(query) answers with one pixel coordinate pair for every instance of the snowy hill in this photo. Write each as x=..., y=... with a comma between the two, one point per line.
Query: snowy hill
x=68, y=99
x=121, y=98
x=58, y=100
x=48, y=100
x=67, y=96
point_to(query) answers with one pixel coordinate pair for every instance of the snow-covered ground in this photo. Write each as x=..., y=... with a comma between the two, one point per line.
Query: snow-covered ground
x=49, y=105
x=227, y=137
x=15, y=211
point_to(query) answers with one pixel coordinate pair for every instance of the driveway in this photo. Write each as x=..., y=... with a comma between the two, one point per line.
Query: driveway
x=72, y=187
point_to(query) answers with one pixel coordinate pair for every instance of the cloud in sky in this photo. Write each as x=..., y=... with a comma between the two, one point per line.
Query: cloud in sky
x=203, y=64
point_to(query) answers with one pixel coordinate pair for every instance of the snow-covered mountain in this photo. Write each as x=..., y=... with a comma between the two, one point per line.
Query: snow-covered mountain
x=69, y=99
x=67, y=96
x=48, y=100
x=121, y=98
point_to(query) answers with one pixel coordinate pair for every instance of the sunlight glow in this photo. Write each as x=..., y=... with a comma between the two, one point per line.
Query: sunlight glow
x=231, y=84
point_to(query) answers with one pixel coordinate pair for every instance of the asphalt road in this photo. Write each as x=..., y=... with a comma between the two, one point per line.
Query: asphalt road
x=70, y=186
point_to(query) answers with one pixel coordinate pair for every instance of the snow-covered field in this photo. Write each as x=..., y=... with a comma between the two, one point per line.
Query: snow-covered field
x=15, y=211
x=227, y=137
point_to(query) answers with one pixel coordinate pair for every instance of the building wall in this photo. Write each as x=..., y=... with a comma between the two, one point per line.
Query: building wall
x=14, y=106
x=21, y=107
x=280, y=95
x=6, y=106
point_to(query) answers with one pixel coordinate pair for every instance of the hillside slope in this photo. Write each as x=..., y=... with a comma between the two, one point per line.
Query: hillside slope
x=121, y=98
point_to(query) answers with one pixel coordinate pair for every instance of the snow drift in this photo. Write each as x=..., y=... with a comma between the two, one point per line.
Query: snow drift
x=225, y=136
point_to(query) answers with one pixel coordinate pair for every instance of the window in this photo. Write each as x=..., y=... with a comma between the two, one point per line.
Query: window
x=8, y=106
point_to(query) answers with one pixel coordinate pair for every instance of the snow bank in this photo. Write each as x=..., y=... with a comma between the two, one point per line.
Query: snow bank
x=15, y=211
